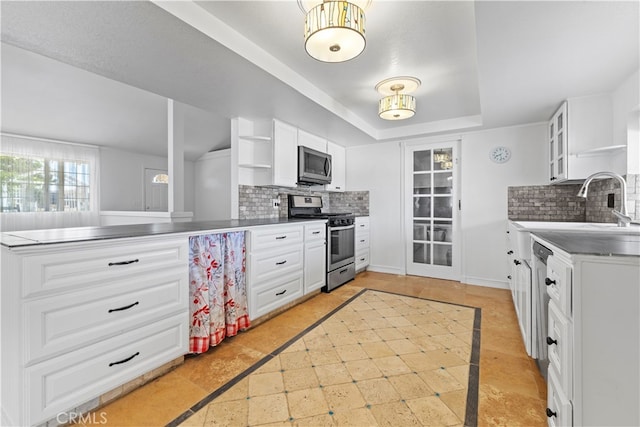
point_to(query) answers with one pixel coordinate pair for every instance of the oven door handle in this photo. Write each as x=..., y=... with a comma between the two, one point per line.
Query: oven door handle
x=346, y=227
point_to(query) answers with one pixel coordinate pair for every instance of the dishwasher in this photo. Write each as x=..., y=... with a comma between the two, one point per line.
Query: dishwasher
x=540, y=307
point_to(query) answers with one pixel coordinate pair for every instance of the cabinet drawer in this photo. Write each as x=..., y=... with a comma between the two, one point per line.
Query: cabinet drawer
x=73, y=268
x=275, y=294
x=315, y=232
x=362, y=260
x=559, y=284
x=362, y=223
x=559, y=410
x=559, y=347
x=362, y=241
x=66, y=322
x=59, y=384
x=274, y=237
x=265, y=266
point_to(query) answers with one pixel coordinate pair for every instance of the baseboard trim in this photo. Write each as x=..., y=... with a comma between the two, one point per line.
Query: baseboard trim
x=479, y=281
x=386, y=269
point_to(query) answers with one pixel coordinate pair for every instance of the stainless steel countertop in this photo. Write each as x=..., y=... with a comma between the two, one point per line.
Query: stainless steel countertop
x=79, y=234
x=586, y=243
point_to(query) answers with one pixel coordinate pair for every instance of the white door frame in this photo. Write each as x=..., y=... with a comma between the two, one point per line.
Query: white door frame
x=455, y=271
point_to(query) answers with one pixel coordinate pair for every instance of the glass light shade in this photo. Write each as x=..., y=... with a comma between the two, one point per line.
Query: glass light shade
x=334, y=31
x=440, y=157
x=446, y=165
x=397, y=107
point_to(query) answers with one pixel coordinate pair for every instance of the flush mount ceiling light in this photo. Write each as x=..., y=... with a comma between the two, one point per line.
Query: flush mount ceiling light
x=333, y=30
x=396, y=105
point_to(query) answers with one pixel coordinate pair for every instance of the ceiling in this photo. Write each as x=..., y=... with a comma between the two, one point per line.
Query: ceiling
x=100, y=72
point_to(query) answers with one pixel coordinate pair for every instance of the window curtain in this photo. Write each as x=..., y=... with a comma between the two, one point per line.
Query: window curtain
x=217, y=289
x=33, y=147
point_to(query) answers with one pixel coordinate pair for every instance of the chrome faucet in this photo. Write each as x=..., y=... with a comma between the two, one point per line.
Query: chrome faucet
x=623, y=217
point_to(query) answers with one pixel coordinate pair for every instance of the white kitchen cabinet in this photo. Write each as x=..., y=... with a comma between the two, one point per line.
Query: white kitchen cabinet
x=520, y=280
x=275, y=272
x=80, y=319
x=285, y=154
x=593, y=339
x=315, y=256
x=312, y=141
x=580, y=138
x=338, y=167
x=362, y=243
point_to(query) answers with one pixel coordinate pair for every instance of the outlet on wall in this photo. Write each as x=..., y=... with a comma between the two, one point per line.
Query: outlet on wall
x=275, y=203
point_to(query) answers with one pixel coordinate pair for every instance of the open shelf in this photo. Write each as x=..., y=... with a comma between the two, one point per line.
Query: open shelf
x=600, y=151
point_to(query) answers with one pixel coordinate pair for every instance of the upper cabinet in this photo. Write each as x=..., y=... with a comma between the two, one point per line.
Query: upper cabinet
x=312, y=141
x=580, y=139
x=285, y=154
x=338, y=167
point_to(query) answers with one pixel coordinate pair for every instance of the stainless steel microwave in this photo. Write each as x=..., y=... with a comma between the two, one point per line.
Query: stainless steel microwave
x=314, y=167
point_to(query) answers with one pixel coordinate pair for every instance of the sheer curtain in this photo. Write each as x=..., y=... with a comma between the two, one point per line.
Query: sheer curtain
x=22, y=146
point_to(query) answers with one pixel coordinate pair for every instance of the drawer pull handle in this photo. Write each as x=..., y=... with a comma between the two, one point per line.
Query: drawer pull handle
x=362, y=241
x=516, y=262
x=510, y=252
x=280, y=237
x=509, y=277
x=549, y=282
x=316, y=232
x=281, y=262
x=550, y=413
x=551, y=341
x=362, y=259
x=124, y=308
x=343, y=271
x=281, y=293
x=123, y=262
x=124, y=360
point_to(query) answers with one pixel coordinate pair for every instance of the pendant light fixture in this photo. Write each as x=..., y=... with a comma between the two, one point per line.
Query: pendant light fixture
x=333, y=30
x=396, y=105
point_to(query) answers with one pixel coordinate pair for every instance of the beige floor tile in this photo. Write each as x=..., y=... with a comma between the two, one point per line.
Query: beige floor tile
x=403, y=346
x=239, y=391
x=363, y=369
x=456, y=401
x=299, y=379
x=307, y=403
x=377, y=349
x=295, y=360
x=267, y=409
x=394, y=414
x=324, y=357
x=267, y=383
x=432, y=411
x=441, y=381
x=324, y=420
x=333, y=374
x=354, y=417
x=343, y=397
x=231, y=413
x=378, y=390
x=392, y=365
x=410, y=386
x=351, y=352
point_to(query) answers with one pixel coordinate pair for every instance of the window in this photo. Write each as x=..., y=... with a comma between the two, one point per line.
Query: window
x=37, y=184
x=47, y=184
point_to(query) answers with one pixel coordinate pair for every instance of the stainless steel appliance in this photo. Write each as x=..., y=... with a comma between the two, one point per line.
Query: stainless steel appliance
x=314, y=167
x=340, y=238
x=540, y=307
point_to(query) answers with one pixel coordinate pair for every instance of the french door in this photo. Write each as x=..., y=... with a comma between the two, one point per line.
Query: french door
x=431, y=206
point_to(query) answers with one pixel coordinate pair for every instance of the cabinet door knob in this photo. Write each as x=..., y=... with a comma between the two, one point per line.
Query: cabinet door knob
x=553, y=178
x=550, y=413
x=549, y=282
x=551, y=341
x=509, y=277
x=516, y=262
x=510, y=252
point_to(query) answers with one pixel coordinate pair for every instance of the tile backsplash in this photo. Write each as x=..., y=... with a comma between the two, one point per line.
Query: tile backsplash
x=561, y=203
x=257, y=202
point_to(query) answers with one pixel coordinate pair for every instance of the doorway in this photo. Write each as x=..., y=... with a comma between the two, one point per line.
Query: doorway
x=431, y=206
x=156, y=190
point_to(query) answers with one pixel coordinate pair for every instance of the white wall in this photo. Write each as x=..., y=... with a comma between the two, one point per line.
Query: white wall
x=122, y=179
x=484, y=195
x=377, y=168
x=626, y=101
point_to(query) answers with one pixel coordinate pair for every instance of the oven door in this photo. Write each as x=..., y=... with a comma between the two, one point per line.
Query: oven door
x=340, y=247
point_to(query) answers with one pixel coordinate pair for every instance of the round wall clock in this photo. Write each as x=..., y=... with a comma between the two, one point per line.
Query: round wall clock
x=500, y=154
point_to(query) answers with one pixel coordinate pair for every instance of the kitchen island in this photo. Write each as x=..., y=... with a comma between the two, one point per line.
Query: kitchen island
x=89, y=310
x=593, y=326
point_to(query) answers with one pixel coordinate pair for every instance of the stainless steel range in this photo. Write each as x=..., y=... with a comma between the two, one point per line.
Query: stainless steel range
x=340, y=238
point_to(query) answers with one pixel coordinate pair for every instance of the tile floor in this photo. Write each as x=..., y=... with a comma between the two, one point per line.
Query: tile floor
x=511, y=390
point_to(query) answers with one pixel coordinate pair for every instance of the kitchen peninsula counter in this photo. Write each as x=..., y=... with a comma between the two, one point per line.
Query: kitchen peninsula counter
x=16, y=239
x=587, y=243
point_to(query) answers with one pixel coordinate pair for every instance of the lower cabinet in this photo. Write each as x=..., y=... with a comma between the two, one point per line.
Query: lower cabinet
x=362, y=243
x=81, y=319
x=315, y=256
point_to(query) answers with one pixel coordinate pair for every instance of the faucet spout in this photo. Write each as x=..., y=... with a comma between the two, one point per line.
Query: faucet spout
x=623, y=217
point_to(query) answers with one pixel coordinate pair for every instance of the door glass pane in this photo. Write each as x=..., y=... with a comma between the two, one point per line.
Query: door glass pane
x=443, y=183
x=422, y=207
x=422, y=161
x=422, y=183
x=442, y=231
x=422, y=230
x=560, y=121
x=442, y=207
x=442, y=254
x=442, y=159
x=551, y=131
x=421, y=253
x=560, y=143
x=560, y=166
